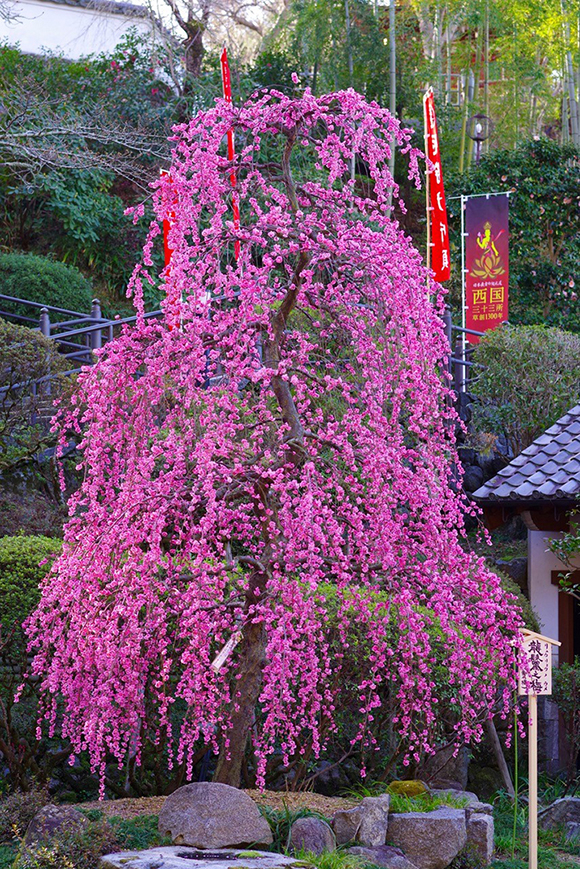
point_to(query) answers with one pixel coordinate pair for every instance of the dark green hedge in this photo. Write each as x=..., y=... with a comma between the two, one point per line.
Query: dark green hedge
x=24, y=561
x=39, y=279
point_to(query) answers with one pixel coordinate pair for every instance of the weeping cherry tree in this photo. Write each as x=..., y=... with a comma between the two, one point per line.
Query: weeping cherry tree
x=284, y=428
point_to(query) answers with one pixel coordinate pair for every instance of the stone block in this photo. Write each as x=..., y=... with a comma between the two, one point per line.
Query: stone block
x=430, y=840
x=365, y=824
x=480, y=836
x=312, y=834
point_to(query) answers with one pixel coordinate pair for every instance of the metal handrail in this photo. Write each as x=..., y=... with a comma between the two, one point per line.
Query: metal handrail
x=39, y=305
x=19, y=317
x=98, y=320
x=36, y=381
x=87, y=330
x=467, y=331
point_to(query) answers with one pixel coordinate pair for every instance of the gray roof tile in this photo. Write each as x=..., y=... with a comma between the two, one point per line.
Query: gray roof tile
x=549, y=469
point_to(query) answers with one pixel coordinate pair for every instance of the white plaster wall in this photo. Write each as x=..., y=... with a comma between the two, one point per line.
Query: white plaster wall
x=38, y=27
x=544, y=595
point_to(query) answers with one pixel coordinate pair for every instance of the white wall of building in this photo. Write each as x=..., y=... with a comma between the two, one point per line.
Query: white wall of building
x=544, y=595
x=39, y=26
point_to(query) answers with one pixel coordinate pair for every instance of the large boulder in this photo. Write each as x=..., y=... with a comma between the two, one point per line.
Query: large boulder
x=312, y=834
x=212, y=815
x=384, y=855
x=430, y=840
x=51, y=820
x=559, y=813
x=447, y=768
x=480, y=836
x=365, y=824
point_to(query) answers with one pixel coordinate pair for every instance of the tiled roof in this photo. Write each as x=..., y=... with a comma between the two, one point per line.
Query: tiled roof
x=547, y=470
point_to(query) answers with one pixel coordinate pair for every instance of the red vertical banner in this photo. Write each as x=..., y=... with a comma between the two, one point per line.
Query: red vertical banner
x=438, y=232
x=486, y=262
x=173, y=299
x=166, y=227
x=227, y=91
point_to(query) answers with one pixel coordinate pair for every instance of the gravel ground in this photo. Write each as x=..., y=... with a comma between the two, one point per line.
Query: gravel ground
x=274, y=799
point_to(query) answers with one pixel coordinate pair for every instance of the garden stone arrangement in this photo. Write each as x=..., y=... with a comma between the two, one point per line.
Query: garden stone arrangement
x=208, y=823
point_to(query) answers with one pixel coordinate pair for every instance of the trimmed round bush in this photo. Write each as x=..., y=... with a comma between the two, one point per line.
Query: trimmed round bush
x=39, y=279
x=25, y=357
x=24, y=562
x=530, y=377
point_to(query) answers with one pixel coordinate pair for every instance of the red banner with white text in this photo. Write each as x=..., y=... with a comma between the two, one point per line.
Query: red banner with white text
x=437, y=210
x=486, y=263
x=227, y=91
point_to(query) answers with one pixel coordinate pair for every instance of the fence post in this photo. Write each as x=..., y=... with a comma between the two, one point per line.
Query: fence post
x=448, y=332
x=44, y=330
x=459, y=370
x=45, y=322
x=96, y=335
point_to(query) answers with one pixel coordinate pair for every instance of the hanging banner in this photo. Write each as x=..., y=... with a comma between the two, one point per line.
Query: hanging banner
x=227, y=92
x=167, y=222
x=173, y=298
x=486, y=262
x=438, y=233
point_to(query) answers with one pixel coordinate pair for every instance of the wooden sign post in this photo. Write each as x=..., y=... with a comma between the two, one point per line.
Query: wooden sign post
x=535, y=678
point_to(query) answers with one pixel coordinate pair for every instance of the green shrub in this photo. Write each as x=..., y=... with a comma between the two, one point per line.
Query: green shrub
x=18, y=809
x=338, y=859
x=400, y=803
x=72, y=848
x=508, y=584
x=530, y=377
x=566, y=695
x=136, y=834
x=39, y=279
x=281, y=821
x=7, y=855
x=25, y=357
x=24, y=561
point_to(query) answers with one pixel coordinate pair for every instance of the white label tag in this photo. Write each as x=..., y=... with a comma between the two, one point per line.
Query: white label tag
x=225, y=653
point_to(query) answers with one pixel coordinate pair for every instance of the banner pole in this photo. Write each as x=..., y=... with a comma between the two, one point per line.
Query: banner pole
x=533, y=781
x=427, y=198
x=463, y=294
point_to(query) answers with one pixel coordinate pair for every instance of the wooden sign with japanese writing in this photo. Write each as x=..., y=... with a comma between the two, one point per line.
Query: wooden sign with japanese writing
x=535, y=675
x=437, y=210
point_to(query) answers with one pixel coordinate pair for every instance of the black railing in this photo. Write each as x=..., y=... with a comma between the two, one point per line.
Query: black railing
x=77, y=344
x=93, y=330
x=459, y=362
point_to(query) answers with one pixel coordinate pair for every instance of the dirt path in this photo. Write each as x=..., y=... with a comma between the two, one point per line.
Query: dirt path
x=133, y=808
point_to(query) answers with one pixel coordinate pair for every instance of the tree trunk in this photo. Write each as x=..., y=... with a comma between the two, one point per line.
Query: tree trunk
x=194, y=48
x=252, y=657
x=499, y=756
